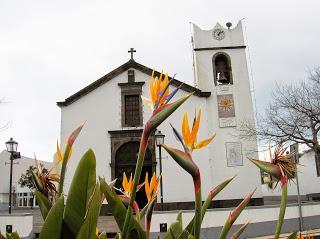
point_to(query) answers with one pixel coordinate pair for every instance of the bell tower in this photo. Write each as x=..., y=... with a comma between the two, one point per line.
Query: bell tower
x=220, y=66
x=217, y=53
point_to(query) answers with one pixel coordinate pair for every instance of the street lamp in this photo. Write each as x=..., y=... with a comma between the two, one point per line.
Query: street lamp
x=159, y=141
x=12, y=147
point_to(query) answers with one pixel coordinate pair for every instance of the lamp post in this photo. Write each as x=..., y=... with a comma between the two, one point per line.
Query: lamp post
x=160, y=140
x=12, y=146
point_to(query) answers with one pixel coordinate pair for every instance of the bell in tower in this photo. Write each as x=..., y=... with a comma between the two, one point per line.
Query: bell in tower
x=222, y=70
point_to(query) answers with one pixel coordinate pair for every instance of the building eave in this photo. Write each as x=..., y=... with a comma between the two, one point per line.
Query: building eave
x=126, y=66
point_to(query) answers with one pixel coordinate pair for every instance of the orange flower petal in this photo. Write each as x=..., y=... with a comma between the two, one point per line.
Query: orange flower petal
x=125, y=183
x=147, y=101
x=195, y=129
x=204, y=143
x=185, y=129
x=147, y=186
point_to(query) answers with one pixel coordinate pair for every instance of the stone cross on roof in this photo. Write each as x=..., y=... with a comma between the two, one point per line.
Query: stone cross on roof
x=131, y=51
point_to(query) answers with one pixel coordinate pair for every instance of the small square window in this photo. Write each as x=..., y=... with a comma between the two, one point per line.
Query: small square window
x=132, y=110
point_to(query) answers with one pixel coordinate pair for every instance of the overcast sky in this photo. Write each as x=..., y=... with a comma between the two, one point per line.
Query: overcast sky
x=51, y=49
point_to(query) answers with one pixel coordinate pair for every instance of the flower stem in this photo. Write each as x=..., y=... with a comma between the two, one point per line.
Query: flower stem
x=198, y=205
x=137, y=174
x=63, y=169
x=282, y=207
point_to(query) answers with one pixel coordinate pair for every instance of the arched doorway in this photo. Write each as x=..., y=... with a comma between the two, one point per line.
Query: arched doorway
x=125, y=161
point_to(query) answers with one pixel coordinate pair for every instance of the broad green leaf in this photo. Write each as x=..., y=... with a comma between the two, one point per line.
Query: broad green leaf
x=119, y=212
x=15, y=235
x=179, y=218
x=175, y=230
x=88, y=228
x=51, y=228
x=44, y=203
x=82, y=186
x=184, y=235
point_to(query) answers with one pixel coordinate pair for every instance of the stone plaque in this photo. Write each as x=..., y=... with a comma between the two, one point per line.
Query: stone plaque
x=234, y=154
x=226, y=111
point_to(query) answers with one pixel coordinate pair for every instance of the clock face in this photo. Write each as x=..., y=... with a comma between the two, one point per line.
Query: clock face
x=218, y=34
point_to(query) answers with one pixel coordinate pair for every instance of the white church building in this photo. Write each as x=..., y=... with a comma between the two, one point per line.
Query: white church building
x=114, y=114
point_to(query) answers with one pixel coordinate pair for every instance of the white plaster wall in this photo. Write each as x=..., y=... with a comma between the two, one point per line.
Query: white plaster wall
x=4, y=197
x=21, y=223
x=308, y=180
x=217, y=217
x=101, y=112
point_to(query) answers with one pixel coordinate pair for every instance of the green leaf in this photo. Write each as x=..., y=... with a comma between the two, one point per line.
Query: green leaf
x=235, y=214
x=88, y=228
x=179, y=218
x=184, y=235
x=163, y=112
x=51, y=228
x=283, y=207
x=37, y=182
x=119, y=212
x=82, y=186
x=44, y=203
x=267, y=167
x=175, y=228
x=214, y=192
x=183, y=159
x=149, y=217
x=14, y=235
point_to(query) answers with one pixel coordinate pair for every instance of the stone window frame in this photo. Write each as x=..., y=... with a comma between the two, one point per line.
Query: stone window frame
x=229, y=66
x=127, y=89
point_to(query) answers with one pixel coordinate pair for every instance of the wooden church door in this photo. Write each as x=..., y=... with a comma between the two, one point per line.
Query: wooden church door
x=125, y=161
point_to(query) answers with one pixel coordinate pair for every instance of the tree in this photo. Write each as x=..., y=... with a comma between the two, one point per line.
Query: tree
x=292, y=116
x=26, y=179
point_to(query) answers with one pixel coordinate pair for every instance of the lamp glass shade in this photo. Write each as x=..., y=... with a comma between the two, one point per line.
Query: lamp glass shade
x=159, y=138
x=11, y=146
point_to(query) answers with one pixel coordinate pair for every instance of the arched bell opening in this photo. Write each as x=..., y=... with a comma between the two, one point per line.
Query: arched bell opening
x=222, y=70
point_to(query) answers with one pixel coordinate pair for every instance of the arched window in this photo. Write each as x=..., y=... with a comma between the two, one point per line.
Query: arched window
x=222, y=71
